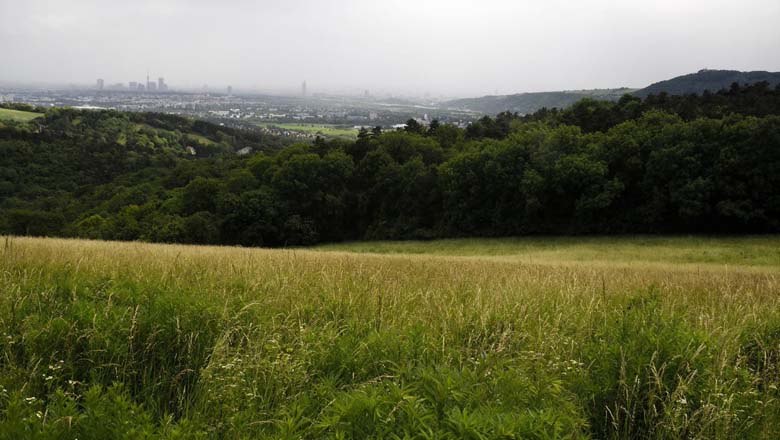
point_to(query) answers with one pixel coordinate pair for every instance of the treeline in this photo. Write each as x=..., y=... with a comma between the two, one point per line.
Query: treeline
x=600, y=115
x=690, y=164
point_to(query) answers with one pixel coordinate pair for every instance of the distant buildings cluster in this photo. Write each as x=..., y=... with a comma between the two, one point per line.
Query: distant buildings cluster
x=149, y=86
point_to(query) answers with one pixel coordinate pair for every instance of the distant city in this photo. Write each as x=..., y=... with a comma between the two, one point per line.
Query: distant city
x=148, y=86
x=296, y=115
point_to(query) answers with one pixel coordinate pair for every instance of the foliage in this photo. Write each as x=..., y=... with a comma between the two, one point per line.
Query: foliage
x=665, y=164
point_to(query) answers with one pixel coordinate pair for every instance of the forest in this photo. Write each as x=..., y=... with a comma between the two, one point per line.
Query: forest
x=706, y=163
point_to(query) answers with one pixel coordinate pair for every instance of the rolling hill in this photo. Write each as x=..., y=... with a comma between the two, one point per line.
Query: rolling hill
x=531, y=102
x=706, y=79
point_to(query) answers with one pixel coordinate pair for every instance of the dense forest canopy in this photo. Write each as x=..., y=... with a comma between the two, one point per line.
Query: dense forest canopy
x=705, y=163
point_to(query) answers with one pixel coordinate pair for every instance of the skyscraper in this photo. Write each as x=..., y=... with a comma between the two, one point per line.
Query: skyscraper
x=100, y=84
x=161, y=84
x=303, y=88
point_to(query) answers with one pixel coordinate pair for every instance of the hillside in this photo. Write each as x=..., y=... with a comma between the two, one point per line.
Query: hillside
x=524, y=103
x=678, y=164
x=706, y=79
x=8, y=114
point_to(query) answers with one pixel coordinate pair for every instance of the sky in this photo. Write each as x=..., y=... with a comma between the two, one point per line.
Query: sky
x=437, y=47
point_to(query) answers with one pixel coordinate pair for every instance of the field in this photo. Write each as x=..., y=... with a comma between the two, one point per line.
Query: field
x=324, y=130
x=18, y=115
x=638, y=251
x=635, y=337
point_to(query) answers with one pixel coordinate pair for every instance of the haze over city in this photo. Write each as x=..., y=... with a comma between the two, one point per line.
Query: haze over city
x=453, y=48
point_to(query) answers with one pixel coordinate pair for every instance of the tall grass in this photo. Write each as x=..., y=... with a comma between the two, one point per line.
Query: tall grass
x=130, y=340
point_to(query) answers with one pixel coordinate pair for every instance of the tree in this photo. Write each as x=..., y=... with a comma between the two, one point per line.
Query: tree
x=412, y=126
x=256, y=219
x=201, y=195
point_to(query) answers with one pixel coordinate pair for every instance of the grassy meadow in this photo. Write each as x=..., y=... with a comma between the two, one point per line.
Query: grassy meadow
x=636, y=337
x=18, y=115
x=325, y=130
x=637, y=251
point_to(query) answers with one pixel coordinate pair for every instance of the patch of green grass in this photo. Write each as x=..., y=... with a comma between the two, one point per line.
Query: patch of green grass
x=732, y=251
x=324, y=130
x=458, y=340
x=189, y=137
x=18, y=115
x=203, y=140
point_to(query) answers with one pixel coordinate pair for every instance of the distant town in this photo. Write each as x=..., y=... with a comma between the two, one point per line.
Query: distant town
x=304, y=116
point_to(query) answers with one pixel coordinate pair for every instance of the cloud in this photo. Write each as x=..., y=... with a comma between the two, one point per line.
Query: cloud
x=456, y=47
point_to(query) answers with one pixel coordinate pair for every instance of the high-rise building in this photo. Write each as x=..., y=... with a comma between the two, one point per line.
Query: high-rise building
x=151, y=86
x=303, y=88
x=100, y=84
x=161, y=84
x=230, y=90
x=132, y=85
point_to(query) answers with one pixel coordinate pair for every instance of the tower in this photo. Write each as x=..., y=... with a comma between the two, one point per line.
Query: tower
x=100, y=84
x=303, y=88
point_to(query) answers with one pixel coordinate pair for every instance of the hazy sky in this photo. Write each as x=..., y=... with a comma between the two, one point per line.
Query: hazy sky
x=452, y=47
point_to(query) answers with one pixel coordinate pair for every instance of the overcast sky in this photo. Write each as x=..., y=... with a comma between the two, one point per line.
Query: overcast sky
x=442, y=47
